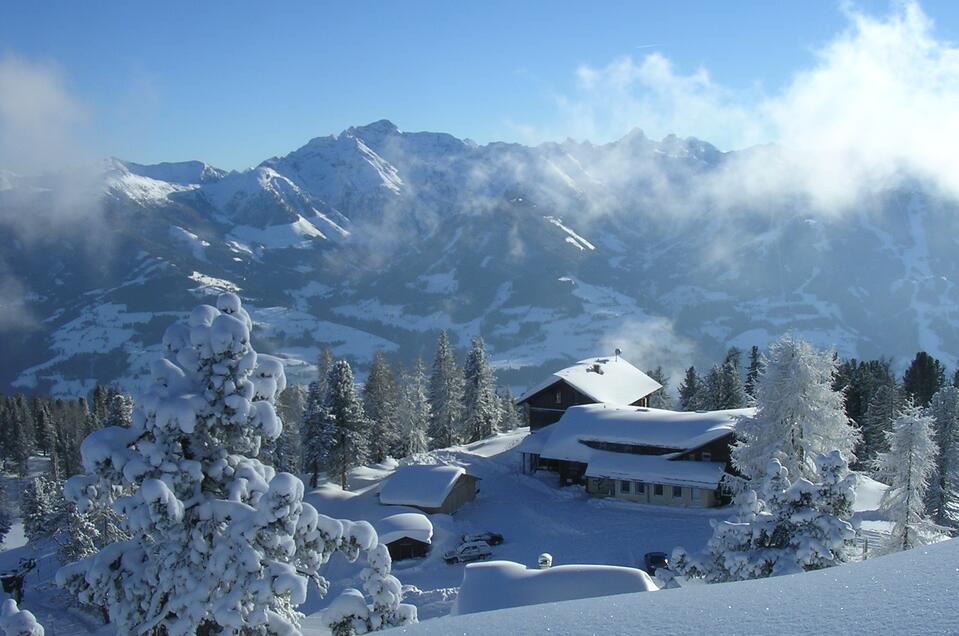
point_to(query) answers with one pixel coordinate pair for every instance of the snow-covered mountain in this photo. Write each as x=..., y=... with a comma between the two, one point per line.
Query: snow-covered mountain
x=377, y=238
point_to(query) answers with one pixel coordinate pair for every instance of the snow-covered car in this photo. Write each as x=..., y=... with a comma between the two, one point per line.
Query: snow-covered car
x=471, y=551
x=492, y=538
x=654, y=561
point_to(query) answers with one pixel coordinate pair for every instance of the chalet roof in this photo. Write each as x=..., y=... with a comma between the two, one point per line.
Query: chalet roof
x=420, y=485
x=656, y=469
x=609, y=379
x=669, y=430
x=413, y=525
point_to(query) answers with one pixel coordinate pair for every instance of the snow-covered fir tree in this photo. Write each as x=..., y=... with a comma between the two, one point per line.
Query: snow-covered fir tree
x=510, y=417
x=119, y=410
x=345, y=422
x=479, y=394
x=721, y=389
x=41, y=506
x=799, y=415
x=220, y=543
x=944, y=486
x=908, y=466
x=877, y=421
x=287, y=450
x=446, y=396
x=380, y=399
x=317, y=432
x=43, y=429
x=689, y=391
x=660, y=399
x=789, y=527
x=414, y=412
x=753, y=371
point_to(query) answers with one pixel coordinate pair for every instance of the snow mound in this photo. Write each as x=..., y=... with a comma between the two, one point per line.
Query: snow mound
x=911, y=592
x=501, y=584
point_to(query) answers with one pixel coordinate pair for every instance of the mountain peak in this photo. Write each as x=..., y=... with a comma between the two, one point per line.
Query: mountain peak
x=379, y=128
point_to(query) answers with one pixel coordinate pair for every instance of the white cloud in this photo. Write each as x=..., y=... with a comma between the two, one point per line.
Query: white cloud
x=877, y=105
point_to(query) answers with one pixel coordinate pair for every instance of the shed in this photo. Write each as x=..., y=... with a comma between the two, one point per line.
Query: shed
x=431, y=488
x=406, y=535
x=609, y=379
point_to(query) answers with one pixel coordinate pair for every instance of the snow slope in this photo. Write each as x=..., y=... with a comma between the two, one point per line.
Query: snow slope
x=907, y=593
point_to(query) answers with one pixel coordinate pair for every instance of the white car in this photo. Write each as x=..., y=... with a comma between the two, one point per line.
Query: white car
x=469, y=551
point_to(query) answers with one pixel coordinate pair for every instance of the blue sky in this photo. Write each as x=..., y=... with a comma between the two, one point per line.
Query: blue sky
x=233, y=83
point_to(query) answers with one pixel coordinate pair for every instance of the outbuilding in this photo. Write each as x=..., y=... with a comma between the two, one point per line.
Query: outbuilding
x=431, y=488
x=407, y=535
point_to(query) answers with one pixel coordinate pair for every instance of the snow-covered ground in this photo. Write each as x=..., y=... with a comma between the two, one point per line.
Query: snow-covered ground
x=533, y=515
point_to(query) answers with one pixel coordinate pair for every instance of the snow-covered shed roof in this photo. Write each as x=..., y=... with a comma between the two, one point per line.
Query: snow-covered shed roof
x=608, y=379
x=639, y=426
x=421, y=485
x=412, y=525
x=499, y=584
x=654, y=469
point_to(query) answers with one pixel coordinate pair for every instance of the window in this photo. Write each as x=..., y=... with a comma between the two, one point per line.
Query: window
x=639, y=487
x=624, y=487
x=559, y=396
x=677, y=491
x=697, y=495
x=707, y=456
x=658, y=490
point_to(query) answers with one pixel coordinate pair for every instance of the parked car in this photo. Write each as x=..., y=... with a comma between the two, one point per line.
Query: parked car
x=492, y=538
x=653, y=561
x=470, y=551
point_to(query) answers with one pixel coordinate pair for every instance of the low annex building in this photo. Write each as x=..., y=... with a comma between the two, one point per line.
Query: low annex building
x=610, y=380
x=406, y=535
x=430, y=487
x=637, y=453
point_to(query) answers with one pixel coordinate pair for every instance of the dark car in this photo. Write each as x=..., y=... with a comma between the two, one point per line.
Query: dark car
x=654, y=561
x=491, y=538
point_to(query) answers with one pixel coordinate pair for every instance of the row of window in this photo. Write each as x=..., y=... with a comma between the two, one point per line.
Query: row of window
x=639, y=488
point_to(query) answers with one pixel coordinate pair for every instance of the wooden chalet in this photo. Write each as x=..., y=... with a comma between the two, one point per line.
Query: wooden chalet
x=610, y=380
x=637, y=453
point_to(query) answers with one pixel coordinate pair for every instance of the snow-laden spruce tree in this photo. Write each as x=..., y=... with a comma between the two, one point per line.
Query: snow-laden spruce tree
x=446, y=396
x=877, y=421
x=721, y=389
x=479, y=395
x=345, y=424
x=944, y=486
x=17, y=622
x=753, y=371
x=287, y=450
x=414, y=412
x=380, y=401
x=786, y=528
x=660, y=399
x=41, y=506
x=510, y=417
x=317, y=432
x=799, y=415
x=689, y=391
x=220, y=543
x=908, y=466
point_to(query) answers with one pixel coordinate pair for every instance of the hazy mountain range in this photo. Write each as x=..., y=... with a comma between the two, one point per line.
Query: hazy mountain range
x=377, y=238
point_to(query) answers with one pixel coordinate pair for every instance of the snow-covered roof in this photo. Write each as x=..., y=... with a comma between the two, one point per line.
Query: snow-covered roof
x=412, y=525
x=655, y=469
x=608, y=379
x=499, y=584
x=424, y=486
x=676, y=430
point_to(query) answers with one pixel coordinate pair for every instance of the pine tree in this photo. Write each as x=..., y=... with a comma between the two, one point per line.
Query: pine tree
x=877, y=423
x=414, y=412
x=220, y=543
x=479, y=395
x=753, y=372
x=77, y=537
x=799, y=415
x=317, y=433
x=41, y=507
x=689, y=391
x=944, y=486
x=923, y=378
x=290, y=407
x=380, y=402
x=909, y=464
x=347, y=421
x=446, y=396
x=660, y=399
x=22, y=435
x=43, y=429
x=510, y=417
x=721, y=389
x=119, y=410
x=324, y=364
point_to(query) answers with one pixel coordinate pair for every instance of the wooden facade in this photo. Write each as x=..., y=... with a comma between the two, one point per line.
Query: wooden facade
x=407, y=548
x=463, y=491
x=547, y=405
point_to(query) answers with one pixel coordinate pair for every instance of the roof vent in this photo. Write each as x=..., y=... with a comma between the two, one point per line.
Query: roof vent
x=597, y=368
